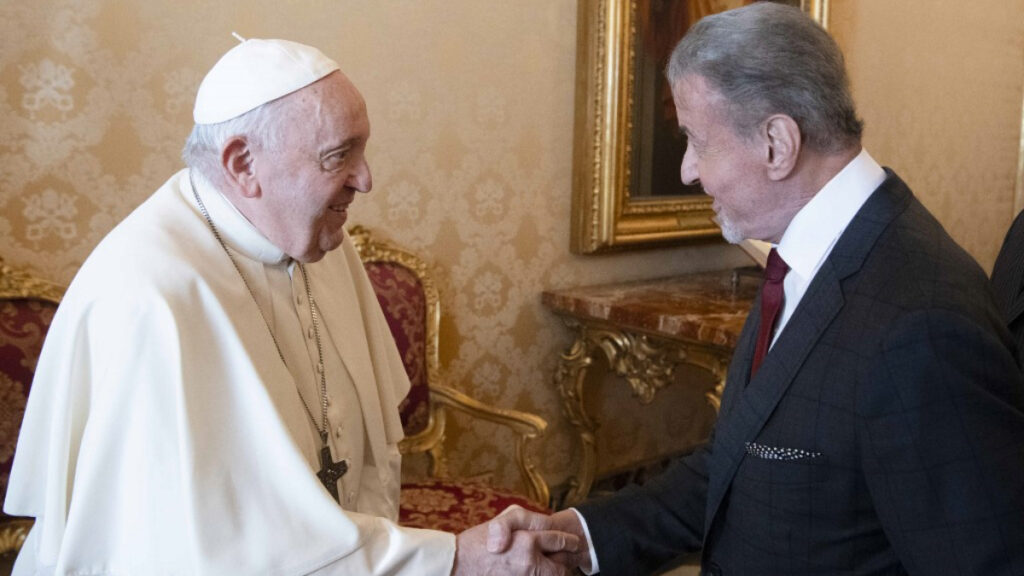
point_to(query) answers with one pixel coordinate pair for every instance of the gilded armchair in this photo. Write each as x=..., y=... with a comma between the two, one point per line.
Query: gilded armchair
x=27, y=306
x=411, y=305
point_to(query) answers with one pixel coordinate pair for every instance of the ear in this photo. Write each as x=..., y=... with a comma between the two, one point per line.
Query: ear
x=782, y=135
x=237, y=162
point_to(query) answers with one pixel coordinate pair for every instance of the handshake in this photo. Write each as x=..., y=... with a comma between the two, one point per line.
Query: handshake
x=522, y=542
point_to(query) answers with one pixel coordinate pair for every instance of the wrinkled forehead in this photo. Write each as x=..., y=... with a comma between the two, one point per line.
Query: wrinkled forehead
x=694, y=96
x=332, y=91
x=331, y=108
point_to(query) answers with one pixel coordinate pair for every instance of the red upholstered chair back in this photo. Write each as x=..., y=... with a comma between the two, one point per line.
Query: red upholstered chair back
x=411, y=305
x=405, y=304
x=27, y=306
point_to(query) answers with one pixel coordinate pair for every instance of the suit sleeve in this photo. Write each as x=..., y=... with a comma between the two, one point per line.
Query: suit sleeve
x=942, y=437
x=641, y=528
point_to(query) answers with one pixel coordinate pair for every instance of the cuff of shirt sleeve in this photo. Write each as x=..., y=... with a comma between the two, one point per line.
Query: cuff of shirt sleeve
x=594, y=568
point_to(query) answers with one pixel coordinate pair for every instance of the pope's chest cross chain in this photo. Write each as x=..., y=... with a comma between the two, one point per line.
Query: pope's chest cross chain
x=330, y=471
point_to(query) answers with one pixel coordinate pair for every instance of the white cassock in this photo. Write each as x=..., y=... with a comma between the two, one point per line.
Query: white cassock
x=164, y=435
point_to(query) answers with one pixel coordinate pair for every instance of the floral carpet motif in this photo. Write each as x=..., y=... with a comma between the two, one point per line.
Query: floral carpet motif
x=453, y=507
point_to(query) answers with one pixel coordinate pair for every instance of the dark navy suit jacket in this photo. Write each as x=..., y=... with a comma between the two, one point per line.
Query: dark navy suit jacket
x=1008, y=282
x=884, y=433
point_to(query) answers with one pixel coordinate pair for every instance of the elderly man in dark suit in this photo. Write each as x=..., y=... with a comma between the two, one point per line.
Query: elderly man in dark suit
x=873, y=417
x=1008, y=282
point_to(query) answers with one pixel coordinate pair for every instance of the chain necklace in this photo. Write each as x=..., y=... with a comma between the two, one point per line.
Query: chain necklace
x=330, y=471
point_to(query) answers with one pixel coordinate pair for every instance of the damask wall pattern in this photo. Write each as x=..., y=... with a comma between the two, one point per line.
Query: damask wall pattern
x=471, y=105
x=941, y=87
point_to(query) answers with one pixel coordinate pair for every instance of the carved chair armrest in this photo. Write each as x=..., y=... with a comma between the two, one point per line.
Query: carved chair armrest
x=526, y=426
x=427, y=440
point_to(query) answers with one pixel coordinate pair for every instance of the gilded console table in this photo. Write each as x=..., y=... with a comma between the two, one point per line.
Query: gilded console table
x=645, y=329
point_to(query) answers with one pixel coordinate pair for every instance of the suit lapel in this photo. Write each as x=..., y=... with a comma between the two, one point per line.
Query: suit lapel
x=743, y=357
x=750, y=406
x=746, y=409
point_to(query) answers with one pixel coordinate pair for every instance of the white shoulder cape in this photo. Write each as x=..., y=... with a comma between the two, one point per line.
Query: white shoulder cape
x=160, y=435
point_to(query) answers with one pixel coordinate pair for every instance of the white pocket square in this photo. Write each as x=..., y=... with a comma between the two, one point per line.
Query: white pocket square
x=778, y=453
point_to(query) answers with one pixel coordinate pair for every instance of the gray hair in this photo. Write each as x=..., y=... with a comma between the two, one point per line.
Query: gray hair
x=261, y=127
x=767, y=59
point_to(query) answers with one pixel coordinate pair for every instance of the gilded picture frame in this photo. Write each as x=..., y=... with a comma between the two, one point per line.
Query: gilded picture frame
x=608, y=213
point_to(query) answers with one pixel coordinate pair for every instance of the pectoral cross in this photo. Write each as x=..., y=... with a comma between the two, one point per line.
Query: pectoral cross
x=330, y=471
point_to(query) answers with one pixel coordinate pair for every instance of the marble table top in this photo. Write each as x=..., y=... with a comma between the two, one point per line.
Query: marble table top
x=707, y=307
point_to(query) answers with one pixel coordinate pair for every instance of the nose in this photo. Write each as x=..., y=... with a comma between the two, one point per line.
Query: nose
x=688, y=169
x=361, y=179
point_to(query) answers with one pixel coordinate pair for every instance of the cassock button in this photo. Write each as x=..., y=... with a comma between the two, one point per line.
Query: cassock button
x=337, y=432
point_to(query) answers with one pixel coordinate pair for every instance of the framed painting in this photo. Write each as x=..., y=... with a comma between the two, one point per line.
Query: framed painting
x=626, y=187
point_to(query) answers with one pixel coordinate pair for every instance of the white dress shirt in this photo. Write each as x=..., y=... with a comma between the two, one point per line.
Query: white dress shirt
x=813, y=232
x=807, y=242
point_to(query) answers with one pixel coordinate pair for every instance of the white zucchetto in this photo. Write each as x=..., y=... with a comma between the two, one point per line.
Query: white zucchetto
x=256, y=72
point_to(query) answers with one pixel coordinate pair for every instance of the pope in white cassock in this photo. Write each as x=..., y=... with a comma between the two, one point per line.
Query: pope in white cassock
x=218, y=393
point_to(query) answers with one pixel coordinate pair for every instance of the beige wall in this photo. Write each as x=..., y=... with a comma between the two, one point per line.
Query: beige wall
x=471, y=103
x=939, y=84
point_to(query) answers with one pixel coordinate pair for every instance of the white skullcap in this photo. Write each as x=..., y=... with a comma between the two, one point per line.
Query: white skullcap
x=254, y=73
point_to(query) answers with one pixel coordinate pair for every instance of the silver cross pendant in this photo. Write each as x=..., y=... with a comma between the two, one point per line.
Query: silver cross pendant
x=330, y=471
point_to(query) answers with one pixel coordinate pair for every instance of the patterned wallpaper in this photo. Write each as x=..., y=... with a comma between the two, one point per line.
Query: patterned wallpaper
x=940, y=84
x=471, y=104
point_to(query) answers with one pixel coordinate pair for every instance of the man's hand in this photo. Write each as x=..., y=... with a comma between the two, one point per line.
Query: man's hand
x=504, y=529
x=523, y=552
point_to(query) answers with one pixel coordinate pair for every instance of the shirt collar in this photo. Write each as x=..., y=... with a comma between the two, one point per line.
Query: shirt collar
x=811, y=234
x=238, y=233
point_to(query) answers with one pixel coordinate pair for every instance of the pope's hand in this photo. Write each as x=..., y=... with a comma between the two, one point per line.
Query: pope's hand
x=507, y=527
x=525, y=552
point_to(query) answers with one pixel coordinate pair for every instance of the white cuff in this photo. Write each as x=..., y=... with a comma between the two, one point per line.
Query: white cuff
x=594, y=568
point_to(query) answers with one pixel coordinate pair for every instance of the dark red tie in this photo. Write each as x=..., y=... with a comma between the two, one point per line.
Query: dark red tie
x=771, y=304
